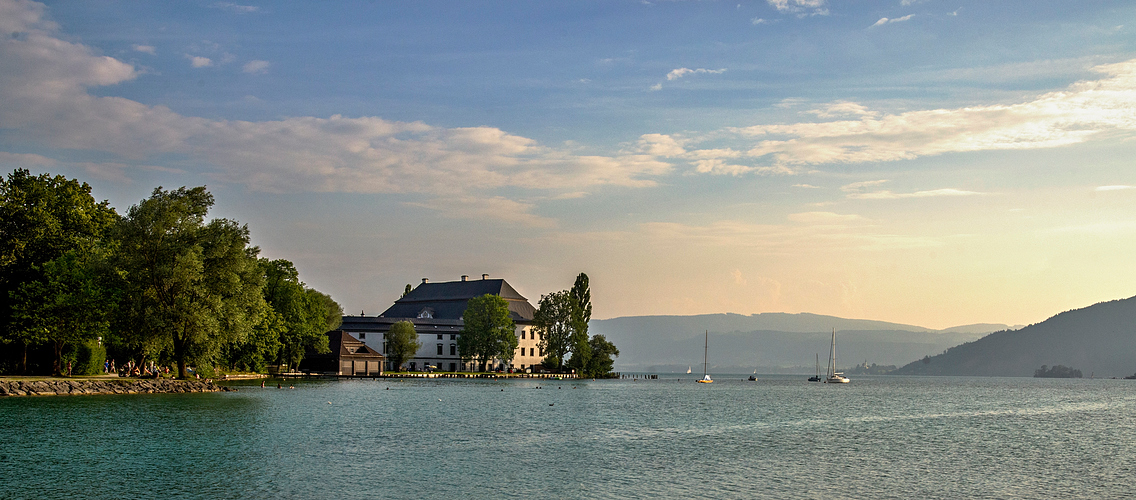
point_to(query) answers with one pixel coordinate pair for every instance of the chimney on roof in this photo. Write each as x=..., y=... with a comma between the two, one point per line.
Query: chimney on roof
x=424, y=280
x=464, y=277
x=484, y=276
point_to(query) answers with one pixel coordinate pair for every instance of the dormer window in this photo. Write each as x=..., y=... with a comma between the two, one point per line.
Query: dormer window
x=426, y=313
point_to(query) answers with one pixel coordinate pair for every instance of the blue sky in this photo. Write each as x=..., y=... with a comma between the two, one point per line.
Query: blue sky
x=928, y=162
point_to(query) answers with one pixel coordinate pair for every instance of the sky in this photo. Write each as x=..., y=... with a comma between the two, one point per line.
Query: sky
x=929, y=162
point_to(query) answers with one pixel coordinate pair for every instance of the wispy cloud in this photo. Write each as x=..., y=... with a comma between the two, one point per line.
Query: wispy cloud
x=232, y=7
x=256, y=67
x=884, y=20
x=149, y=49
x=198, y=61
x=1118, y=187
x=1062, y=118
x=675, y=74
x=800, y=7
x=45, y=101
x=681, y=72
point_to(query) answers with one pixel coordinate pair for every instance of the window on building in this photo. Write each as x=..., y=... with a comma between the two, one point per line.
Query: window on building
x=362, y=336
x=439, y=349
x=439, y=336
x=522, y=335
x=453, y=367
x=453, y=336
x=531, y=352
x=453, y=350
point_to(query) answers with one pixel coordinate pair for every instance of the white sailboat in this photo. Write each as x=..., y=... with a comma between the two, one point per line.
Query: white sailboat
x=705, y=349
x=688, y=369
x=834, y=377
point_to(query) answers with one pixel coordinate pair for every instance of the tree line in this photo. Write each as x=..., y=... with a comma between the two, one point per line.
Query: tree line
x=160, y=284
x=489, y=334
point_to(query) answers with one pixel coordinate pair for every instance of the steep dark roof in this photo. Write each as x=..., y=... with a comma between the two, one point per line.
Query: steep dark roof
x=448, y=300
x=342, y=344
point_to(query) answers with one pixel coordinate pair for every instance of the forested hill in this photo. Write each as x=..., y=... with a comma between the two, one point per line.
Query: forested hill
x=1099, y=339
x=771, y=341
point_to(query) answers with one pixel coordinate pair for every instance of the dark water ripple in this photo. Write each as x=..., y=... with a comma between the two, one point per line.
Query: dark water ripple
x=777, y=438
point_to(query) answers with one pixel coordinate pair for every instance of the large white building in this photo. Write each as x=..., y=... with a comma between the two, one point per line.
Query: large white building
x=436, y=310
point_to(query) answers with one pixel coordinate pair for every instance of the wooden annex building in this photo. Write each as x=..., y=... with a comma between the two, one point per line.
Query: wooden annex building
x=348, y=356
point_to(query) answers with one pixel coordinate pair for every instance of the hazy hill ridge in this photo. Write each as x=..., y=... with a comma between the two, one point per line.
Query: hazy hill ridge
x=772, y=340
x=1098, y=339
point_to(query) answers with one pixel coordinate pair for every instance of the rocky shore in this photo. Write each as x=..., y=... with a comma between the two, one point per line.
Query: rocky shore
x=66, y=387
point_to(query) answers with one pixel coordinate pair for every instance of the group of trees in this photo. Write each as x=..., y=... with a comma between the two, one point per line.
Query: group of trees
x=561, y=321
x=160, y=283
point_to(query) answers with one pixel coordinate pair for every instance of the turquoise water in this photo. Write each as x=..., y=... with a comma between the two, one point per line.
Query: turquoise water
x=781, y=437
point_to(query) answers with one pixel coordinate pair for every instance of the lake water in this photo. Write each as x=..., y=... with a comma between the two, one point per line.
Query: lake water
x=780, y=437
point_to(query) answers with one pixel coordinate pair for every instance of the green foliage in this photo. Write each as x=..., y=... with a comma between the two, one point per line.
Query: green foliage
x=600, y=362
x=402, y=343
x=553, y=322
x=488, y=331
x=305, y=315
x=66, y=305
x=1059, y=371
x=580, y=300
x=406, y=291
x=196, y=286
x=49, y=226
x=88, y=356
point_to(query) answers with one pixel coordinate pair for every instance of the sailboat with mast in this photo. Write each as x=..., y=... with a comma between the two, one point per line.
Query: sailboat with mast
x=834, y=377
x=816, y=378
x=705, y=349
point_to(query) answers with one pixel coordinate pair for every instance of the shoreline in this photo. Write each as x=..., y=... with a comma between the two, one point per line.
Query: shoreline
x=52, y=386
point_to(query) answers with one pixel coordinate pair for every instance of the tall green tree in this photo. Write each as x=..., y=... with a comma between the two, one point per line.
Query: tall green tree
x=553, y=322
x=68, y=305
x=196, y=285
x=600, y=362
x=306, y=314
x=580, y=299
x=488, y=331
x=406, y=291
x=42, y=218
x=402, y=344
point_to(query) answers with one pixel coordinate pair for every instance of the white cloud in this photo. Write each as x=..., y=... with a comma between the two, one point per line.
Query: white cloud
x=657, y=86
x=232, y=7
x=806, y=186
x=842, y=108
x=149, y=49
x=256, y=67
x=888, y=195
x=44, y=101
x=800, y=6
x=492, y=208
x=681, y=72
x=660, y=145
x=857, y=187
x=1071, y=116
x=757, y=20
x=906, y=3
x=1114, y=188
x=199, y=62
x=884, y=20
x=720, y=167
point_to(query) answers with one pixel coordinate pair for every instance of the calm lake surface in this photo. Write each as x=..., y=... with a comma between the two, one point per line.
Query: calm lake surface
x=780, y=437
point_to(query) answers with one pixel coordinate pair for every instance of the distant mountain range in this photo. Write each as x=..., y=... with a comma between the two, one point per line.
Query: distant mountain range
x=1099, y=339
x=772, y=342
